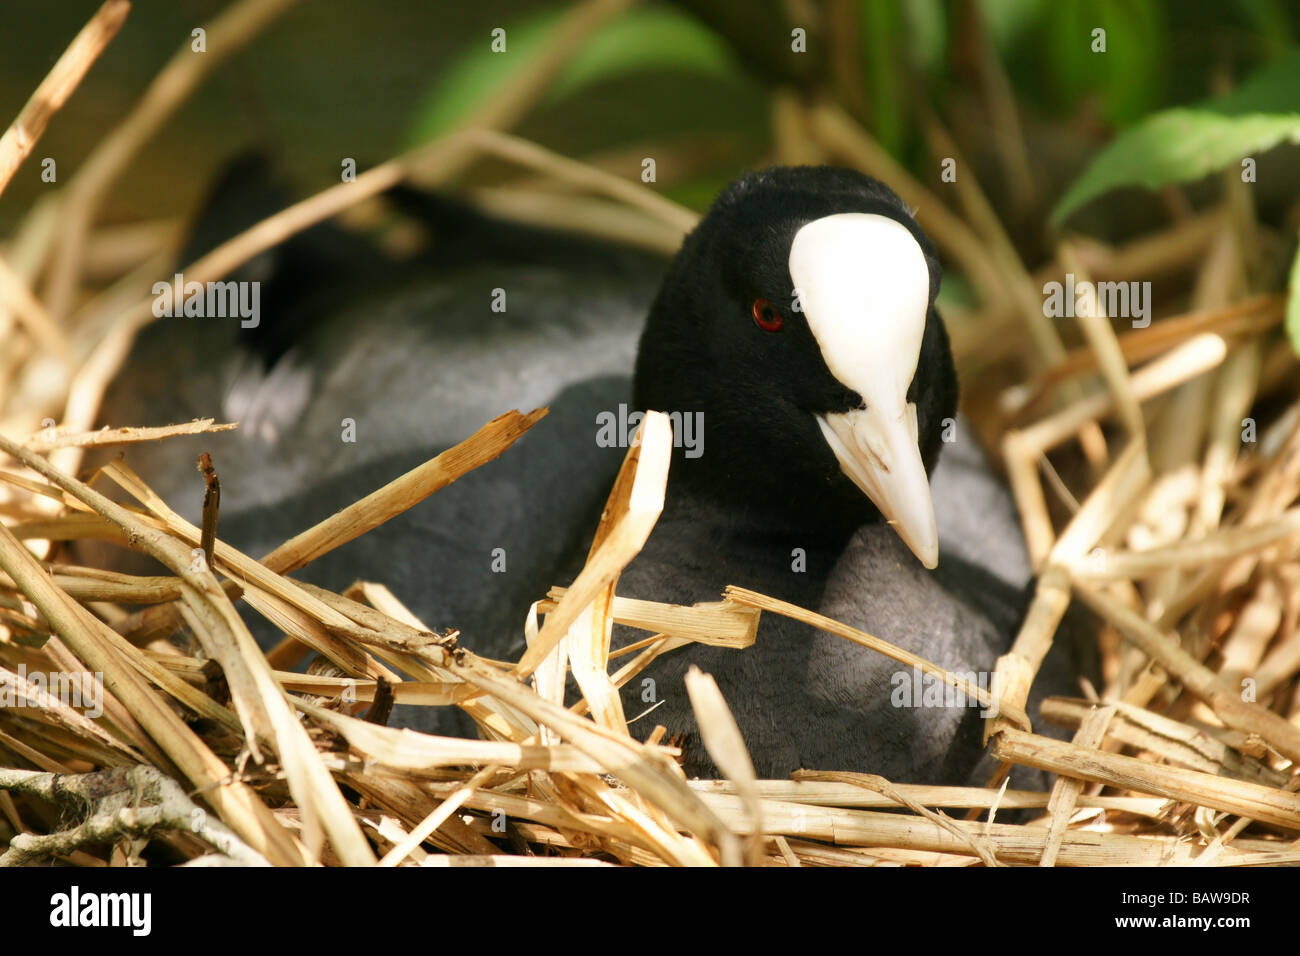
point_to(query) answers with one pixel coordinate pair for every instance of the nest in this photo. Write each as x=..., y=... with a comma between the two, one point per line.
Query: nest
x=1181, y=535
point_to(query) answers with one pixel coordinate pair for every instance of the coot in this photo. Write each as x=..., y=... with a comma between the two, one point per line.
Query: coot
x=798, y=322
x=796, y=327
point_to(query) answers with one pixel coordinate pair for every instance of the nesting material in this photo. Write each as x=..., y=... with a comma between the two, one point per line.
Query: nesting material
x=1183, y=542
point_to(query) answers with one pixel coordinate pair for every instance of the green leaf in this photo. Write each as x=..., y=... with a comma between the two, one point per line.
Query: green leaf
x=1186, y=143
x=1293, y=305
x=1272, y=89
x=1177, y=146
x=656, y=38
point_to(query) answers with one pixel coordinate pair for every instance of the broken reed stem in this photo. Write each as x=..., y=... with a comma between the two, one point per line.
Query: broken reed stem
x=1110, y=357
x=364, y=515
x=1221, y=546
x=722, y=739
x=1022, y=447
x=1005, y=259
x=37, y=321
x=403, y=492
x=1202, y=682
x=871, y=781
x=236, y=804
x=1066, y=790
x=1223, y=839
x=1268, y=804
x=1011, y=843
x=1016, y=669
x=438, y=817
x=1171, y=740
x=226, y=34
x=809, y=787
x=1137, y=345
x=644, y=770
x=259, y=701
x=211, y=506
x=64, y=77
x=719, y=623
x=1197, y=355
x=526, y=153
x=108, y=437
x=630, y=513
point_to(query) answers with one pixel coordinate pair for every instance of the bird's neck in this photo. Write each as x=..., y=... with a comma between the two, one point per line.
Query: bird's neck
x=698, y=547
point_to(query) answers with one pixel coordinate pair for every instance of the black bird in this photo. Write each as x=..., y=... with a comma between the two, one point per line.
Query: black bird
x=796, y=324
x=798, y=321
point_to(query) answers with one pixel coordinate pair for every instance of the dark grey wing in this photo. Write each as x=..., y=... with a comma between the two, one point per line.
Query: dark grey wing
x=416, y=368
x=477, y=553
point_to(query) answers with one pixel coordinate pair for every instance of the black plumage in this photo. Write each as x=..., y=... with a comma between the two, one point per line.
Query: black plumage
x=413, y=354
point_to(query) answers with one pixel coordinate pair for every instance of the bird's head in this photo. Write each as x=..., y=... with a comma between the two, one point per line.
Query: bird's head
x=798, y=320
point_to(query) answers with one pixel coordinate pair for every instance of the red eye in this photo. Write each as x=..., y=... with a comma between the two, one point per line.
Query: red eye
x=766, y=317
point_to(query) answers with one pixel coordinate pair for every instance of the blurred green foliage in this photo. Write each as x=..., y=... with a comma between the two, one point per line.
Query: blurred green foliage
x=1128, y=76
x=1134, y=72
x=884, y=43
x=643, y=39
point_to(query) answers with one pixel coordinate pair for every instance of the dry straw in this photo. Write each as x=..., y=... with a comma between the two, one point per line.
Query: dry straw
x=1183, y=540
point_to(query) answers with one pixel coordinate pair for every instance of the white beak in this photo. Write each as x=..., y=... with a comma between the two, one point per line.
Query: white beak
x=880, y=454
x=864, y=285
